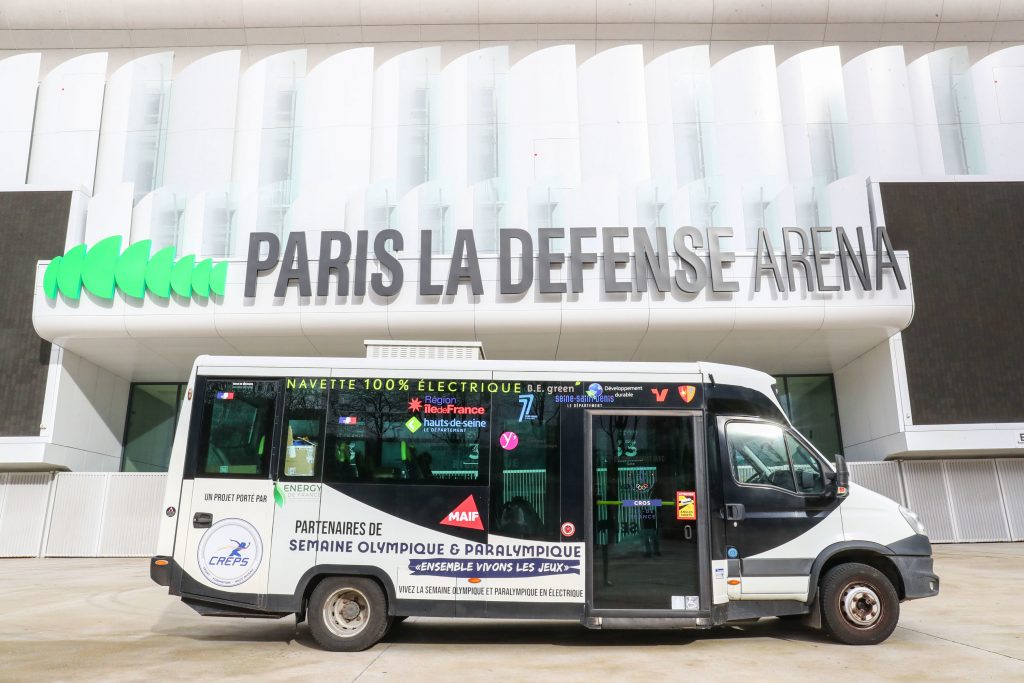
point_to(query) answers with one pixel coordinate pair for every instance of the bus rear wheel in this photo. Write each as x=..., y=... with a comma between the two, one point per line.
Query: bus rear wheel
x=348, y=614
x=859, y=605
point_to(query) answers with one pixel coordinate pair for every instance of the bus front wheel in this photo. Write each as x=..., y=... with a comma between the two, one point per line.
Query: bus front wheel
x=347, y=614
x=859, y=605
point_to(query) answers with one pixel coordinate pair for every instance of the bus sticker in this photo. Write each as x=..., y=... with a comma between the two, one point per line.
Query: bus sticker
x=686, y=506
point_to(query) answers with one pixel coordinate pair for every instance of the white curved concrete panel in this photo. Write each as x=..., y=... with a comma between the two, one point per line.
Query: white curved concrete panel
x=67, y=123
x=613, y=116
x=543, y=134
x=134, y=126
x=334, y=154
x=750, y=146
x=881, y=114
x=997, y=85
x=19, y=80
x=270, y=102
x=201, y=129
x=680, y=110
x=110, y=213
x=405, y=95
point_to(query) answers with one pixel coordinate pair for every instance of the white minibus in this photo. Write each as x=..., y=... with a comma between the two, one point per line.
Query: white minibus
x=355, y=492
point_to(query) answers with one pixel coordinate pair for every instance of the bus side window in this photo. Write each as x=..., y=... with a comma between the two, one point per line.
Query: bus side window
x=757, y=452
x=237, y=429
x=525, y=443
x=402, y=434
x=809, y=478
x=305, y=412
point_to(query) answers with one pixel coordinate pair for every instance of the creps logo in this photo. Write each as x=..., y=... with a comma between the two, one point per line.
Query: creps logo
x=104, y=268
x=230, y=552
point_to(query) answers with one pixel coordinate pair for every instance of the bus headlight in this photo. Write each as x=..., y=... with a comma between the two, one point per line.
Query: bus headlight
x=913, y=520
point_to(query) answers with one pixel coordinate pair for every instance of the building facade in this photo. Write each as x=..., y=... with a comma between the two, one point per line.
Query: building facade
x=827, y=191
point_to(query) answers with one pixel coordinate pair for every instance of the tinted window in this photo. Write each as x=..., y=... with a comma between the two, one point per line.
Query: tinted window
x=758, y=455
x=237, y=428
x=525, y=448
x=417, y=432
x=726, y=399
x=305, y=412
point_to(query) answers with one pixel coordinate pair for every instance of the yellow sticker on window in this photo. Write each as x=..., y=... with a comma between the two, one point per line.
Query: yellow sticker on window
x=686, y=506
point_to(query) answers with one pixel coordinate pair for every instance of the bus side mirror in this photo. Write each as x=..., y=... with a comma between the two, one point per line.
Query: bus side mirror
x=842, y=477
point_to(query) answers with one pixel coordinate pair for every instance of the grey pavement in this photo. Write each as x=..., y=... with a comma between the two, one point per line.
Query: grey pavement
x=103, y=620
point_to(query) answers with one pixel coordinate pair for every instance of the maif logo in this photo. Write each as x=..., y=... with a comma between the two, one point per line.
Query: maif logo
x=465, y=515
x=230, y=552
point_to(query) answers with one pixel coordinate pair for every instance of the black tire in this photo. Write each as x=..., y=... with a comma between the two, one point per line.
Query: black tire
x=859, y=605
x=348, y=613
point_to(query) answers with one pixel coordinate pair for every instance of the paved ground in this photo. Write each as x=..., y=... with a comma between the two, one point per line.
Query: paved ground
x=104, y=620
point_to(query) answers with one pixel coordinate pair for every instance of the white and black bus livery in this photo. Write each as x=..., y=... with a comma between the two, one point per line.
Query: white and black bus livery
x=356, y=492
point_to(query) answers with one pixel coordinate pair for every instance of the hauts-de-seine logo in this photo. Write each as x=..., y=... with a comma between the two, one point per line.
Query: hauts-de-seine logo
x=230, y=552
x=104, y=269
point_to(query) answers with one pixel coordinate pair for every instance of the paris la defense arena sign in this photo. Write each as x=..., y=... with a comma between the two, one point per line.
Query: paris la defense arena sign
x=699, y=261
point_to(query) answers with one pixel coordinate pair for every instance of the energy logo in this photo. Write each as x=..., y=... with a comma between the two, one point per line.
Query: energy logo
x=230, y=552
x=105, y=268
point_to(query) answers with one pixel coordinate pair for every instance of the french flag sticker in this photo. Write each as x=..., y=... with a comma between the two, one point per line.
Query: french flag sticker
x=350, y=420
x=226, y=395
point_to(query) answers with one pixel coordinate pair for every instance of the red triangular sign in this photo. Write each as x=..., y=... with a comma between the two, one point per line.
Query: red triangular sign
x=465, y=515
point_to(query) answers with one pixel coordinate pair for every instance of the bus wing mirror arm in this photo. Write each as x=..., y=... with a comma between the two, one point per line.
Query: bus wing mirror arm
x=842, y=477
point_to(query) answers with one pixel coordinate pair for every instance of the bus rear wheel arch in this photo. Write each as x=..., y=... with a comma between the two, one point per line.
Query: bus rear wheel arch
x=348, y=613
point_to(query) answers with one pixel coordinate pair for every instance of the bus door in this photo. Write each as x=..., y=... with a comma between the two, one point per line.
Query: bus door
x=230, y=514
x=647, y=513
x=775, y=493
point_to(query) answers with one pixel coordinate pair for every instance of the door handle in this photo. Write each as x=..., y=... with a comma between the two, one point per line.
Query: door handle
x=202, y=520
x=735, y=512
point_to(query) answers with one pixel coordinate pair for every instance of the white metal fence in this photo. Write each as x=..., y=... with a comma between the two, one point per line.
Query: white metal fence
x=80, y=514
x=98, y=514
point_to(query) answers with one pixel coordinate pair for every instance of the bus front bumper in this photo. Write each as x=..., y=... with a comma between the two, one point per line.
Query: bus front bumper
x=919, y=579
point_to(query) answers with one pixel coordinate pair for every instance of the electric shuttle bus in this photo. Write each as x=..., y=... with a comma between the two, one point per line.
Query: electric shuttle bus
x=356, y=492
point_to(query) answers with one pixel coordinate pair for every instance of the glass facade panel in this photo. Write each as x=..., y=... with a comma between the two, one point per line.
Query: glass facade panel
x=149, y=431
x=810, y=403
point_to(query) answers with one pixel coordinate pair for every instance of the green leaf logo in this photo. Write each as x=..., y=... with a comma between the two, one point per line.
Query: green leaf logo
x=104, y=269
x=279, y=497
